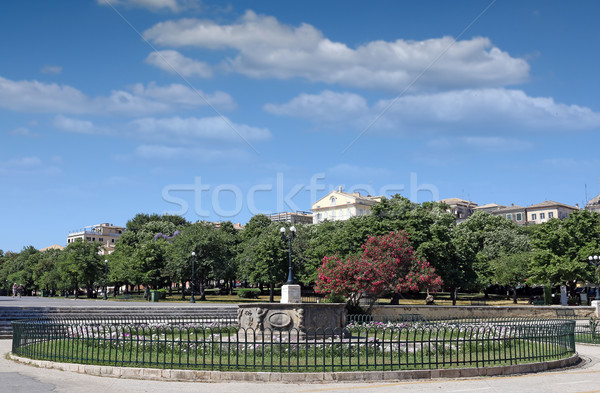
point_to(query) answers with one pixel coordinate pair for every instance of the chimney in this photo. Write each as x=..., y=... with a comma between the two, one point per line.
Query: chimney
x=512, y=204
x=577, y=205
x=340, y=188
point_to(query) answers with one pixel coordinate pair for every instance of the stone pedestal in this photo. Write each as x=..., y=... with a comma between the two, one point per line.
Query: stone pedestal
x=596, y=305
x=302, y=320
x=291, y=294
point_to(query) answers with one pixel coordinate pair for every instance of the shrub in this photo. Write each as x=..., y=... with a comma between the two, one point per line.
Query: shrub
x=248, y=293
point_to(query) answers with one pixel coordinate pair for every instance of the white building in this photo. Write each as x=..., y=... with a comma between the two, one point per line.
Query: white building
x=339, y=205
x=106, y=233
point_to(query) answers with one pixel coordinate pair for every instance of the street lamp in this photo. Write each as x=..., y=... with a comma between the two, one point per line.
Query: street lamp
x=192, y=299
x=290, y=279
x=595, y=259
x=105, y=278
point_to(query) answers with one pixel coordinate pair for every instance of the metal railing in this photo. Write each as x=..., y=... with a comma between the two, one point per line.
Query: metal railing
x=219, y=344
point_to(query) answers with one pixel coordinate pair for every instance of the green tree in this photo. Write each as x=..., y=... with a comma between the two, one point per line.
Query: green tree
x=81, y=263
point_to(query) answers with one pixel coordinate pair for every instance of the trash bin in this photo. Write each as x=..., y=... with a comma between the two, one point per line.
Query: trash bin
x=44, y=293
x=155, y=296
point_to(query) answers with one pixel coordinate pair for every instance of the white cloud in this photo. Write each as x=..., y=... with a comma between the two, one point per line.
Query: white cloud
x=137, y=100
x=51, y=70
x=154, y=5
x=182, y=96
x=184, y=130
x=328, y=106
x=76, y=126
x=39, y=97
x=268, y=49
x=482, y=109
x=174, y=62
x=28, y=165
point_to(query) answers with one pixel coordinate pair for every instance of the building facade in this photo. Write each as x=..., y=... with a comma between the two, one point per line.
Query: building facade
x=488, y=208
x=106, y=234
x=542, y=212
x=298, y=217
x=460, y=208
x=339, y=205
x=515, y=213
x=593, y=204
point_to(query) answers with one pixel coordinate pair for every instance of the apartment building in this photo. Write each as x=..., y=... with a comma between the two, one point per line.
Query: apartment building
x=460, y=208
x=542, y=212
x=106, y=234
x=339, y=205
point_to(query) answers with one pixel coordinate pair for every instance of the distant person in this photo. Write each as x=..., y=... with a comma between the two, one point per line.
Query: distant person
x=14, y=289
x=20, y=290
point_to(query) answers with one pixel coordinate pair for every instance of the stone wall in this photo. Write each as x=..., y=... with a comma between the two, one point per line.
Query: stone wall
x=445, y=312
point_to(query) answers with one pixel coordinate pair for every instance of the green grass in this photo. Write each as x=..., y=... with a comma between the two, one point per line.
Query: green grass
x=238, y=357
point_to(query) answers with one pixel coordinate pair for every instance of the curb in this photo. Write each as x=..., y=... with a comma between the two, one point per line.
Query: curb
x=317, y=377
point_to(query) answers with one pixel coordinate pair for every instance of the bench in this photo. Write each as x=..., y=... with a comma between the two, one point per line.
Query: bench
x=565, y=313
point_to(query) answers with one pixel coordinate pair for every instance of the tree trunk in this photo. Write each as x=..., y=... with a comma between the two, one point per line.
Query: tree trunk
x=271, y=292
x=395, y=299
x=453, y=295
x=515, y=295
x=202, y=295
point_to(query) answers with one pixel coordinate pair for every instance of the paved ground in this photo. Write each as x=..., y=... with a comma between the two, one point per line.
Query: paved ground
x=36, y=301
x=15, y=378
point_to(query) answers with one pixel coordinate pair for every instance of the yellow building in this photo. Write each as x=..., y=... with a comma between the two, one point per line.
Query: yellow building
x=106, y=233
x=542, y=212
x=339, y=205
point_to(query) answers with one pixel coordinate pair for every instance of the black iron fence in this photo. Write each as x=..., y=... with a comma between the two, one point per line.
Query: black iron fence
x=218, y=344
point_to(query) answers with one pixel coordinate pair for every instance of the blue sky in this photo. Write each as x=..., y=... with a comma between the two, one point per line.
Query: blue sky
x=219, y=111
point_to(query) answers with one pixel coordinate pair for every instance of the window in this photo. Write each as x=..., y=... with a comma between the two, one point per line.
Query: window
x=100, y=239
x=360, y=212
x=509, y=216
x=332, y=201
x=550, y=214
x=112, y=240
x=519, y=217
x=534, y=216
x=542, y=216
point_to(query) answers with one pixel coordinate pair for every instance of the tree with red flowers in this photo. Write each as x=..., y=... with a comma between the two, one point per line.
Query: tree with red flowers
x=387, y=264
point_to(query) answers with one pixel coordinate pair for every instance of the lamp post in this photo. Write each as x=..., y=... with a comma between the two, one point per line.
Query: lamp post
x=105, y=278
x=290, y=279
x=595, y=259
x=192, y=299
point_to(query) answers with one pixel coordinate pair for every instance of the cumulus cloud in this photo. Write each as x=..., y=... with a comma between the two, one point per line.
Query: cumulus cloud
x=328, y=106
x=176, y=63
x=268, y=49
x=137, y=100
x=480, y=109
x=39, y=97
x=51, y=70
x=182, y=130
x=154, y=5
x=76, y=126
x=27, y=165
x=174, y=130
